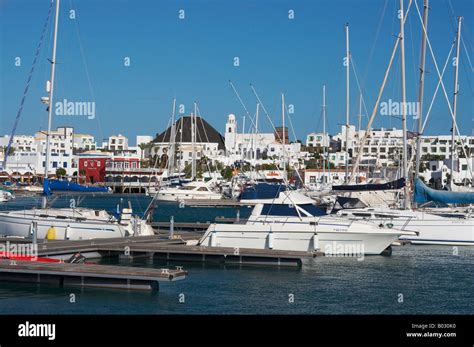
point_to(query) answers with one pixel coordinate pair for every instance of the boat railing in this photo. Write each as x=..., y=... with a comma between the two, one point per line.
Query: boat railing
x=406, y=223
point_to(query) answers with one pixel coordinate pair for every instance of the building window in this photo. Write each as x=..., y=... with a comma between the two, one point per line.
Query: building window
x=65, y=165
x=464, y=167
x=55, y=164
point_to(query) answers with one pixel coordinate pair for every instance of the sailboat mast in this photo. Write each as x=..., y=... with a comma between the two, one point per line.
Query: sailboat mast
x=360, y=113
x=404, y=110
x=283, y=134
x=324, y=134
x=193, y=140
x=359, y=125
x=347, y=102
x=455, y=102
x=171, y=157
x=51, y=95
x=255, y=137
x=422, y=87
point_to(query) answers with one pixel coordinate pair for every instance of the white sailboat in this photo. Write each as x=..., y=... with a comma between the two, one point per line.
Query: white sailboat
x=452, y=226
x=68, y=223
x=441, y=226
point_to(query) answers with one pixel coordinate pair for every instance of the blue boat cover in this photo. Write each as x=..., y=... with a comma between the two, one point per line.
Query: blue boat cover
x=423, y=194
x=262, y=191
x=398, y=184
x=57, y=185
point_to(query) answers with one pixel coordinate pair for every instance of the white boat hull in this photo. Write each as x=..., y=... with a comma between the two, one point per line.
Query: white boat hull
x=432, y=228
x=299, y=237
x=13, y=224
x=181, y=196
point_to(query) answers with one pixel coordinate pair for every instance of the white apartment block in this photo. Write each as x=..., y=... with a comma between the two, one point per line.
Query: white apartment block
x=317, y=140
x=117, y=143
x=29, y=156
x=84, y=142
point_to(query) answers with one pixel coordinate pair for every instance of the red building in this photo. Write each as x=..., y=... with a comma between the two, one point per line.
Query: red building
x=92, y=169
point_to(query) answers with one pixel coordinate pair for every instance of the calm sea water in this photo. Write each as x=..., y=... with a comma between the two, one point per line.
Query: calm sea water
x=428, y=279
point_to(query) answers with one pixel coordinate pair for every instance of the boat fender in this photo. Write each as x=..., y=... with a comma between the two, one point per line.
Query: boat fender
x=213, y=238
x=51, y=233
x=66, y=232
x=270, y=239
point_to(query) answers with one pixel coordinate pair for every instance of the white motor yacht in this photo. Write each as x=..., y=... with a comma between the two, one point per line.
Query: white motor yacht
x=293, y=222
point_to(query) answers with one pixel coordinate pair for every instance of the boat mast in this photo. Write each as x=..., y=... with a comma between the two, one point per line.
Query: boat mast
x=404, y=110
x=171, y=156
x=193, y=140
x=324, y=134
x=422, y=87
x=255, y=138
x=347, y=102
x=455, y=102
x=283, y=134
x=51, y=94
x=359, y=120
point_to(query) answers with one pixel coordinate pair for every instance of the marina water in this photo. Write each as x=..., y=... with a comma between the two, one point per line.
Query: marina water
x=414, y=280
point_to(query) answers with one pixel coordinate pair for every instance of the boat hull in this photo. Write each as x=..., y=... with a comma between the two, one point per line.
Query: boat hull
x=298, y=238
x=432, y=228
x=13, y=224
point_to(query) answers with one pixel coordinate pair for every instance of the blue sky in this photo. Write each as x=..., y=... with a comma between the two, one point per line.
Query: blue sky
x=193, y=59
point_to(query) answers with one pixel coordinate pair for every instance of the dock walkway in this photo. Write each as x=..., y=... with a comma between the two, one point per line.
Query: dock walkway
x=87, y=275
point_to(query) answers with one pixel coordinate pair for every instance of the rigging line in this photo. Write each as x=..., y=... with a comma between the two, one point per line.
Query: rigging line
x=454, y=27
x=291, y=122
x=76, y=24
x=278, y=135
x=205, y=133
x=241, y=102
x=27, y=87
x=372, y=50
x=359, y=87
x=444, y=90
x=410, y=25
x=436, y=91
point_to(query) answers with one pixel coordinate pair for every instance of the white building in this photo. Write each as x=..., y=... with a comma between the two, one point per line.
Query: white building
x=258, y=148
x=84, y=142
x=317, y=140
x=29, y=157
x=117, y=143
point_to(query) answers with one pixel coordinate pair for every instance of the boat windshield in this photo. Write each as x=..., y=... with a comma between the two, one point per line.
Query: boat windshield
x=290, y=210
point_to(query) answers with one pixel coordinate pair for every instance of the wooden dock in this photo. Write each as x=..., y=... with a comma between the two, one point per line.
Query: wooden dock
x=163, y=248
x=88, y=275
